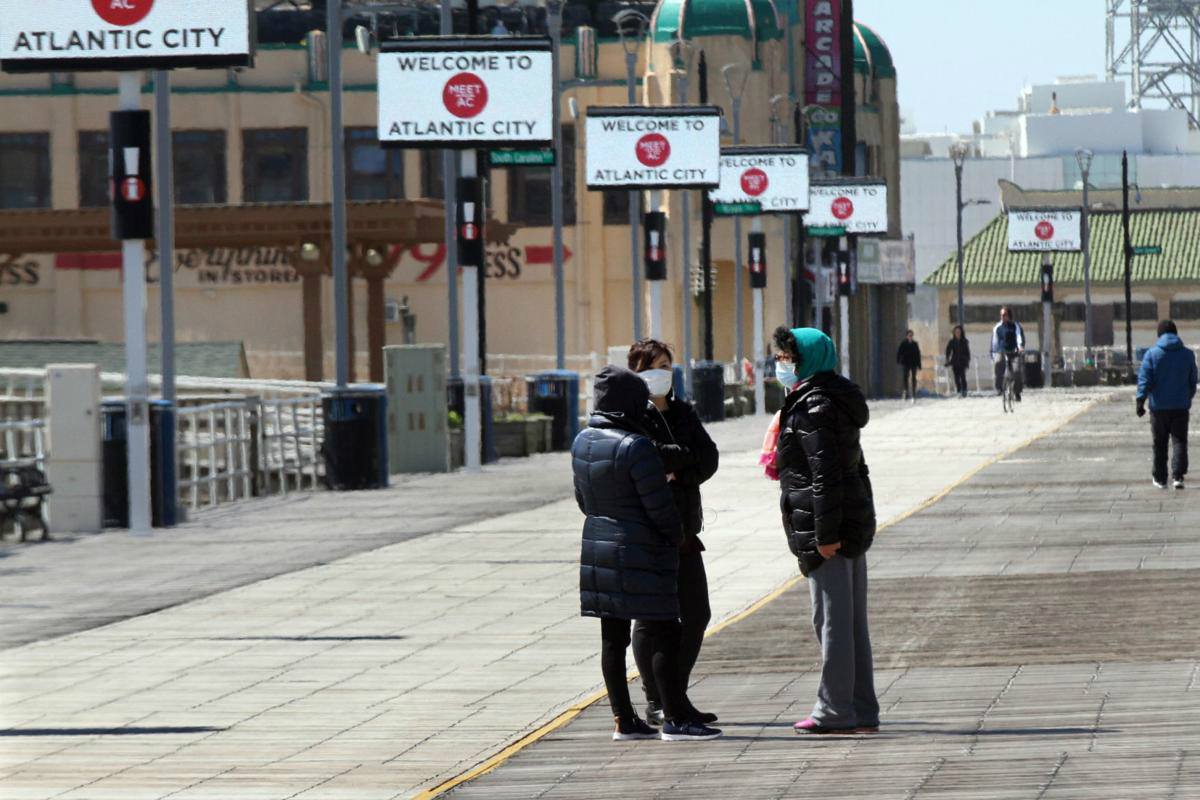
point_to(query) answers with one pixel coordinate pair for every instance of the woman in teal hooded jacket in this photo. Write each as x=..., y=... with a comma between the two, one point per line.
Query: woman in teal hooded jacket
x=828, y=513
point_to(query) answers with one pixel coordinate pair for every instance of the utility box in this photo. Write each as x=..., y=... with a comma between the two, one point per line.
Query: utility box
x=417, y=430
x=73, y=466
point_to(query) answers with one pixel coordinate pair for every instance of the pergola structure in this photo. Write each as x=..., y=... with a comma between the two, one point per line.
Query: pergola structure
x=377, y=232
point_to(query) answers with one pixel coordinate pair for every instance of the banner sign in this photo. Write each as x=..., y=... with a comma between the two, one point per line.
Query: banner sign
x=1056, y=230
x=770, y=180
x=824, y=136
x=890, y=261
x=858, y=207
x=823, y=85
x=640, y=147
x=437, y=91
x=109, y=35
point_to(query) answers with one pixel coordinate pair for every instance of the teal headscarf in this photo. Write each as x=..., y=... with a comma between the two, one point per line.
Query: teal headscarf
x=817, y=353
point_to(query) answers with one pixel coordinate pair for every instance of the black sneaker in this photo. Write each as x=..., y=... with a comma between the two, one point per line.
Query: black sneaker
x=688, y=732
x=703, y=717
x=654, y=712
x=631, y=730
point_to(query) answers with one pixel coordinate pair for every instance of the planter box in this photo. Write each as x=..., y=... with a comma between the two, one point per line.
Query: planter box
x=517, y=438
x=456, y=448
x=1086, y=377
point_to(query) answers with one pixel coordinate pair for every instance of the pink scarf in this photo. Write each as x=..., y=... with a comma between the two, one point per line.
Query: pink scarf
x=769, y=449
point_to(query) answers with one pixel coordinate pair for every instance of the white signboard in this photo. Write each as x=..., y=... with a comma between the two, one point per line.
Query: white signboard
x=77, y=35
x=886, y=261
x=1040, y=231
x=857, y=207
x=774, y=179
x=444, y=92
x=653, y=148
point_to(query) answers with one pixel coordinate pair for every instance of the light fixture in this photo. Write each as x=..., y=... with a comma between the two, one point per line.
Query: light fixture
x=362, y=39
x=958, y=153
x=374, y=257
x=1083, y=157
x=309, y=252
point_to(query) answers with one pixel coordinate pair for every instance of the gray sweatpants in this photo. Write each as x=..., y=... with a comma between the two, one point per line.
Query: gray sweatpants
x=846, y=696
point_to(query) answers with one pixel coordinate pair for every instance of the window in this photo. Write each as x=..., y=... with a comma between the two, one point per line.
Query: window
x=24, y=170
x=275, y=165
x=431, y=175
x=199, y=160
x=529, y=188
x=616, y=206
x=372, y=173
x=93, y=169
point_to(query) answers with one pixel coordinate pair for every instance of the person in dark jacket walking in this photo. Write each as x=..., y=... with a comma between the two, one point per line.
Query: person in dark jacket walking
x=958, y=358
x=690, y=458
x=1168, y=378
x=829, y=518
x=908, y=356
x=630, y=554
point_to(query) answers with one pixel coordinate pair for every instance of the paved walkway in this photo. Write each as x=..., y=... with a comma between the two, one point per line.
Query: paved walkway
x=395, y=669
x=1035, y=637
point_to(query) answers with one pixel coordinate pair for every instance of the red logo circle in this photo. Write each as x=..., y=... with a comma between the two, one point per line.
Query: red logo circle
x=122, y=12
x=1044, y=231
x=754, y=181
x=843, y=208
x=133, y=190
x=653, y=150
x=465, y=95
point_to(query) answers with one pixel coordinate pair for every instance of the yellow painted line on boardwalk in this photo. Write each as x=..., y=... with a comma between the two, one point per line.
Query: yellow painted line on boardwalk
x=574, y=711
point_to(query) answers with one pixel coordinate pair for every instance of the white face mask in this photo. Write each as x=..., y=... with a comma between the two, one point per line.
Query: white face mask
x=658, y=381
x=785, y=372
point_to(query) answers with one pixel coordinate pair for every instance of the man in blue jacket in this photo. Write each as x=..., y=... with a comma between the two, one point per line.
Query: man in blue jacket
x=1168, y=378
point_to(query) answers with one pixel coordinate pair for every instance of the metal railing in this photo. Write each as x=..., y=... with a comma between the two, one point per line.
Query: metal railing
x=214, y=445
x=291, y=431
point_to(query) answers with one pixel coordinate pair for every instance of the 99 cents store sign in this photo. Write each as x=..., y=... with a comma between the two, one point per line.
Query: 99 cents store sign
x=444, y=92
x=98, y=35
x=856, y=207
x=636, y=147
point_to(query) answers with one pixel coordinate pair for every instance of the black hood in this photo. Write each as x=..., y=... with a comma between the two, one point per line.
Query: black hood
x=842, y=391
x=621, y=396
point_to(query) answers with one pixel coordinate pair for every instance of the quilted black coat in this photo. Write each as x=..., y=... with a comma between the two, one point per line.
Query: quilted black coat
x=630, y=554
x=826, y=492
x=689, y=453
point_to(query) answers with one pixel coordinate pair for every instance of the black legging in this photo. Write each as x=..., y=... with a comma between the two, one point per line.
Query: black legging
x=664, y=649
x=694, y=614
x=960, y=379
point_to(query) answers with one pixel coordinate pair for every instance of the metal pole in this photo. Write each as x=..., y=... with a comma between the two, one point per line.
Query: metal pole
x=738, y=278
x=634, y=257
x=706, y=220
x=686, y=261
x=1047, y=327
x=137, y=389
x=472, y=414
x=449, y=193
x=554, y=9
x=760, y=396
x=656, y=310
x=165, y=190
x=337, y=188
x=958, y=205
x=1087, y=273
x=1128, y=257
x=844, y=318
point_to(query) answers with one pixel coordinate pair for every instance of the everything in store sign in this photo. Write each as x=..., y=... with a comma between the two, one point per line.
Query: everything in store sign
x=636, y=147
x=769, y=180
x=443, y=92
x=103, y=35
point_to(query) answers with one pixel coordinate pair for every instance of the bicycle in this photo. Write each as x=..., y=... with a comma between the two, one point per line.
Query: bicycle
x=1008, y=396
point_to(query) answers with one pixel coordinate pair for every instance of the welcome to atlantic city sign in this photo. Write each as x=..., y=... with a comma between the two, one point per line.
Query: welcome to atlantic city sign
x=102, y=35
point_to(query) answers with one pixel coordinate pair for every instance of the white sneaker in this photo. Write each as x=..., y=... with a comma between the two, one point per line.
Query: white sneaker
x=1158, y=485
x=1178, y=484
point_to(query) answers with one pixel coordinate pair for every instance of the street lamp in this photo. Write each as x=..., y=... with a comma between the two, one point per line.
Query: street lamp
x=735, y=76
x=958, y=153
x=1083, y=157
x=631, y=27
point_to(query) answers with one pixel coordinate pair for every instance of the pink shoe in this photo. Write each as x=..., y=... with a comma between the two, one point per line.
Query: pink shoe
x=812, y=727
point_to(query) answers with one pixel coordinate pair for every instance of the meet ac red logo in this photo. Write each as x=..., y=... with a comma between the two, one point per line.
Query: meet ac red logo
x=465, y=95
x=843, y=208
x=653, y=150
x=122, y=12
x=1044, y=230
x=754, y=181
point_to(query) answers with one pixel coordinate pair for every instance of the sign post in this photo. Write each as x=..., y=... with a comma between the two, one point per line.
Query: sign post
x=488, y=92
x=1045, y=231
x=757, y=265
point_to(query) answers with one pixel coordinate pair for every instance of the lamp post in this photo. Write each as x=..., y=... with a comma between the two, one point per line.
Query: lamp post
x=682, y=54
x=337, y=232
x=735, y=76
x=554, y=10
x=631, y=27
x=958, y=152
x=1083, y=157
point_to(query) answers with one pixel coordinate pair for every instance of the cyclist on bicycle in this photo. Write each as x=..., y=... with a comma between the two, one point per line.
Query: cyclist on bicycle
x=1008, y=342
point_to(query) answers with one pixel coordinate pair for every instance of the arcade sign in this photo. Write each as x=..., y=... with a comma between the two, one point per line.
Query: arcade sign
x=859, y=207
x=667, y=147
x=1057, y=230
x=762, y=180
x=441, y=91
x=110, y=35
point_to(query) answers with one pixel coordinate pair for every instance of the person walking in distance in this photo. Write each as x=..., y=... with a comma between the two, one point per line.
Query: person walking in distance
x=909, y=359
x=813, y=448
x=690, y=458
x=1168, y=378
x=958, y=358
x=630, y=553
x=1008, y=342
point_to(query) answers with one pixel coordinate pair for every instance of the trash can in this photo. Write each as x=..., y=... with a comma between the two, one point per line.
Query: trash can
x=708, y=386
x=1035, y=378
x=355, y=443
x=114, y=449
x=454, y=399
x=556, y=393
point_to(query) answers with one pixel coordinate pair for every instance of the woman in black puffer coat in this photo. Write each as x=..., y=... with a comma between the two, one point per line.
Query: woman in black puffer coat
x=630, y=555
x=829, y=517
x=690, y=458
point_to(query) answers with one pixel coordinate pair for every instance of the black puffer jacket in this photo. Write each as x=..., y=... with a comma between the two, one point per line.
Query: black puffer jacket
x=689, y=453
x=826, y=489
x=630, y=556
